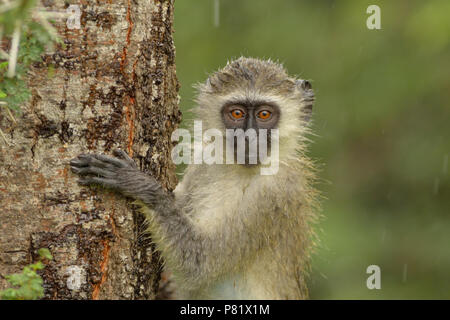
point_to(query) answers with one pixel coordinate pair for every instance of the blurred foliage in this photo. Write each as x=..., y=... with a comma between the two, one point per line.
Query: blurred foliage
x=28, y=283
x=381, y=119
x=15, y=10
x=33, y=42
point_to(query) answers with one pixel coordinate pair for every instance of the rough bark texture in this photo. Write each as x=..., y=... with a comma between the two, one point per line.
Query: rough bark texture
x=114, y=85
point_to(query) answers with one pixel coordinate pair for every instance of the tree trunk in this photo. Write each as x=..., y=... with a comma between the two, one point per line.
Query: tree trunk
x=114, y=85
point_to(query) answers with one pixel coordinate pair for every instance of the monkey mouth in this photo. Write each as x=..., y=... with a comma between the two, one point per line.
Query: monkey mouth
x=253, y=157
x=249, y=152
x=250, y=159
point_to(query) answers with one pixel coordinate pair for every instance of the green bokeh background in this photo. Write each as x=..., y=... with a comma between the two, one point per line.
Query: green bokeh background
x=382, y=122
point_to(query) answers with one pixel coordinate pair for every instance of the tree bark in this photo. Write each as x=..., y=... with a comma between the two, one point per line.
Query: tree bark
x=114, y=85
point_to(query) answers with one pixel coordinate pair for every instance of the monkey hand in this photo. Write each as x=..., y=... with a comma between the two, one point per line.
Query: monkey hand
x=103, y=170
x=120, y=174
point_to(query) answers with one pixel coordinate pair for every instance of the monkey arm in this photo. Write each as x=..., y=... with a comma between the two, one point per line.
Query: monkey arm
x=120, y=174
x=171, y=230
x=197, y=256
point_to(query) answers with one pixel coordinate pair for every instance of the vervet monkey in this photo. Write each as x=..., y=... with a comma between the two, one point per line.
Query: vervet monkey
x=227, y=231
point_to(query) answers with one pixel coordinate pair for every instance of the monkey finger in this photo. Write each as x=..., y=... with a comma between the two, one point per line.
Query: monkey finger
x=110, y=160
x=123, y=155
x=84, y=157
x=77, y=163
x=75, y=169
x=93, y=170
x=89, y=160
x=80, y=161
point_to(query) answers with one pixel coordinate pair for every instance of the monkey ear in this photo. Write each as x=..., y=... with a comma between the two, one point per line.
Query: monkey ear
x=307, y=98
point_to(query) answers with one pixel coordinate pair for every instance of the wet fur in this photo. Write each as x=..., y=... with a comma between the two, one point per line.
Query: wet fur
x=251, y=235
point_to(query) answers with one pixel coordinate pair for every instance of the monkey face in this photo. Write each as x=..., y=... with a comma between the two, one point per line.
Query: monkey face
x=247, y=124
x=249, y=95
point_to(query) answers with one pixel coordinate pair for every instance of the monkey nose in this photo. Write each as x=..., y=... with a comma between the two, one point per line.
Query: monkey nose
x=250, y=139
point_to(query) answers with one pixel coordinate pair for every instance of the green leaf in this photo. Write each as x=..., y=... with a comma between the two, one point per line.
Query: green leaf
x=37, y=266
x=45, y=253
x=9, y=294
x=16, y=279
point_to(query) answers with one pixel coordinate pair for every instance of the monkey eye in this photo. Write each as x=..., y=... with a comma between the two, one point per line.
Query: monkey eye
x=237, y=113
x=264, y=114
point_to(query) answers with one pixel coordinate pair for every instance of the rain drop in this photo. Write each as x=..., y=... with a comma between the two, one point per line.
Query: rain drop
x=445, y=165
x=405, y=272
x=436, y=186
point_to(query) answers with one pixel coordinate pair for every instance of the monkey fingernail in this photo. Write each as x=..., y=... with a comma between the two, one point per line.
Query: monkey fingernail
x=74, y=162
x=77, y=163
x=74, y=169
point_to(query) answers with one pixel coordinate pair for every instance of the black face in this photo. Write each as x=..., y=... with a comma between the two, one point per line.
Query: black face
x=255, y=115
x=250, y=115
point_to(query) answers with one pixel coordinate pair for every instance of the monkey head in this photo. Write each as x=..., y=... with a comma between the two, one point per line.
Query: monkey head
x=250, y=97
